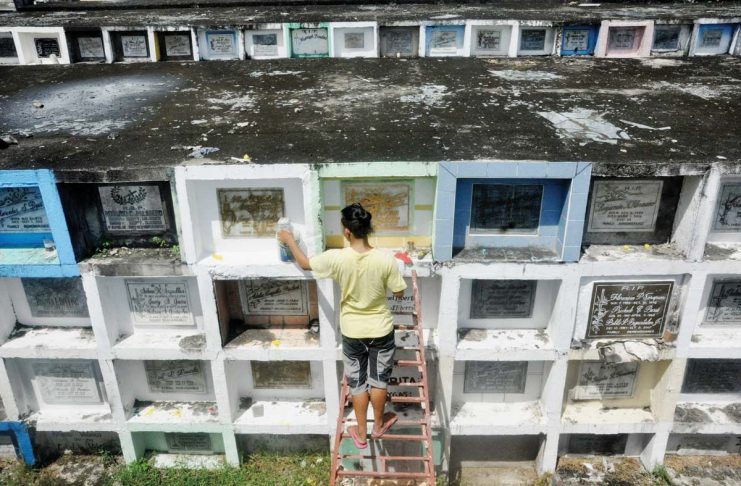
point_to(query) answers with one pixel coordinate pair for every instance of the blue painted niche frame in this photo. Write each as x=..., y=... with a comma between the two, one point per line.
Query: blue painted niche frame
x=727, y=33
x=592, y=33
x=21, y=440
x=65, y=265
x=571, y=221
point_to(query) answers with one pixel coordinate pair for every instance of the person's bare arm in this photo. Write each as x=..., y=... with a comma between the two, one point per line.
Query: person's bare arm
x=286, y=237
x=399, y=294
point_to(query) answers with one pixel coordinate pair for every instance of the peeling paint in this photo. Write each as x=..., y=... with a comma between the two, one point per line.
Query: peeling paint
x=585, y=126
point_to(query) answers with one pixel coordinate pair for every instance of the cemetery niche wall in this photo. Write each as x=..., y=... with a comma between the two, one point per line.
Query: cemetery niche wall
x=173, y=45
x=86, y=45
x=220, y=44
x=579, y=40
x=444, y=40
x=711, y=38
x=492, y=39
x=671, y=39
x=267, y=41
x=399, y=41
x=309, y=40
x=130, y=45
x=42, y=45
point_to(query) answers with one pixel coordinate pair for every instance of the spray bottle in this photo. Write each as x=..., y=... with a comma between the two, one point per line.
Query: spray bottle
x=285, y=252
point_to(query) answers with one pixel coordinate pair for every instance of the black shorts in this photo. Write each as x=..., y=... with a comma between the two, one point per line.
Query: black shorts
x=368, y=362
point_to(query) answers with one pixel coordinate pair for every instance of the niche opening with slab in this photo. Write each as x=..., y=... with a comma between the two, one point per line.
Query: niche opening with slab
x=105, y=216
x=712, y=39
x=180, y=449
x=505, y=314
x=57, y=393
x=249, y=444
x=490, y=39
x=42, y=45
x=45, y=315
x=130, y=45
x=590, y=445
x=579, y=40
x=166, y=392
x=709, y=401
x=354, y=39
x=267, y=312
x=718, y=322
x=25, y=232
x=309, y=40
x=86, y=45
x=494, y=396
x=724, y=236
x=536, y=41
x=174, y=45
x=625, y=38
x=703, y=445
x=267, y=41
x=671, y=39
x=50, y=446
x=277, y=396
x=444, y=40
x=472, y=453
x=399, y=41
x=219, y=44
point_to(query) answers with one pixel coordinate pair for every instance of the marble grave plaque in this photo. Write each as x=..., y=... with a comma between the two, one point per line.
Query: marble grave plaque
x=502, y=299
x=265, y=44
x=47, y=46
x=666, y=37
x=55, y=297
x=495, y=377
x=443, y=41
x=189, y=442
x=398, y=41
x=310, y=42
x=711, y=37
x=489, y=39
x=712, y=376
x=178, y=45
x=728, y=213
x=159, y=302
x=601, y=380
x=66, y=382
x=90, y=47
x=499, y=208
x=628, y=309
x=624, y=206
x=266, y=297
x=22, y=211
x=250, y=212
x=281, y=374
x=220, y=43
x=724, y=304
x=532, y=40
x=623, y=38
x=388, y=203
x=7, y=46
x=132, y=208
x=403, y=305
x=576, y=39
x=176, y=376
x=134, y=45
x=354, y=40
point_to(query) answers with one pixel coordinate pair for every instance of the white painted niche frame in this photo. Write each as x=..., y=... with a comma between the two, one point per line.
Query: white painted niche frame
x=643, y=49
x=508, y=36
x=25, y=44
x=205, y=36
x=23, y=314
x=346, y=35
x=259, y=50
x=109, y=34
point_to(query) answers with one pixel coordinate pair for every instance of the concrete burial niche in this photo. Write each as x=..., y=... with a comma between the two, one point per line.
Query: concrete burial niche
x=711, y=38
x=718, y=320
x=41, y=45
x=492, y=38
x=476, y=459
x=181, y=449
x=86, y=45
x=267, y=41
x=268, y=312
x=175, y=44
x=444, y=40
x=130, y=44
x=8, y=50
x=621, y=445
x=51, y=445
x=167, y=393
x=354, y=39
x=671, y=39
x=131, y=214
x=625, y=38
x=579, y=40
x=277, y=397
x=703, y=445
x=303, y=443
x=309, y=39
x=725, y=224
x=536, y=40
x=399, y=40
x=220, y=44
x=60, y=393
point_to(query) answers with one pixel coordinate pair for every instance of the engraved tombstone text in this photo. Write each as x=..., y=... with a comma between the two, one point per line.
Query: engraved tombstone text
x=177, y=45
x=250, y=212
x=62, y=382
x=495, y=377
x=175, y=376
x=310, y=42
x=46, y=47
x=274, y=297
x=91, y=47
x=576, y=40
x=55, y=297
x=388, y=203
x=724, y=304
x=728, y=214
x=22, y=211
x=532, y=40
x=134, y=45
x=712, y=376
x=628, y=309
x=132, y=209
x=189, y=442
x=598, y=380
x=499, y=208
x=162, y=302
x=502, y=298
x=624, y=206
x=283, y=374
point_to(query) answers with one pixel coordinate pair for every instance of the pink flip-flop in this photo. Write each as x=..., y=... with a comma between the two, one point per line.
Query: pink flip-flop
x=390, y=419
x=353, y=431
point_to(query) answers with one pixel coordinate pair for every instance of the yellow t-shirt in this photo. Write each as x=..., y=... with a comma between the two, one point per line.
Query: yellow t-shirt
x=364, y=278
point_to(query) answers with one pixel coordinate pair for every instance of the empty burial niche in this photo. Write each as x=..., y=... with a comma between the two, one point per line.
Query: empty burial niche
x=174, y=45
x=703, y=445
x=25, y=230
x=259, y=312
x=8, y=50
x=399, y=41
x=719, y=377
x=602, y=392
x=59, y=391
x=130, y=45
x=277, y=394
x=623, y=211
x=166, y=391
x=671, y=39
x=471, y=455
x=151, y=312
x=52, y=445
x=180, y=449
x=86, y=45
x=509, y=219
x=132, y=214
x=402, y=211
x=294, y=443
x=626, y=445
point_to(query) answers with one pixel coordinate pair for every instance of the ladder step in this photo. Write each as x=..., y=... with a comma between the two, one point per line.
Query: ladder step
x=408, y=399
x=405, y=362
x=411, y=385
x=399, y=423
x=399, y=437
x=385, y=458
x=387, y=475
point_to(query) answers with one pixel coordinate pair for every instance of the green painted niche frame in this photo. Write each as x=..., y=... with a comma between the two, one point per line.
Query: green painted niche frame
x=308, y=25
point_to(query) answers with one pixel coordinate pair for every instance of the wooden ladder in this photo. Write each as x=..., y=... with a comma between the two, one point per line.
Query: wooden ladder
x=418, y=468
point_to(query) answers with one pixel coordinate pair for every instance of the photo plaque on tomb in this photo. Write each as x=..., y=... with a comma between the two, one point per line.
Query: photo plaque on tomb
x=221, y=43
x=177, y=45
x=724, y=303
x=712, y=376
x=628, y=309
x=500, y=299
x=176, y=376
x=624, y=38
x=310, y=42
x=666, y=37
x=7, y=45
x=495, y=377
x=159, y=302
x=47, y=46
x=265, y=45
x=532, y=39
x=399, y=41
x=272, y=297
x=624, y=206
x=576, y=39
x=501, y=208
x=22, y=211
x=132, y=208
x=283, y=374
x=250, y=212
x=67, y=382
x=90, y=48
x=388, y=202
x=601, y=380
x=728, y=213
x=188, y=442
x=55, y=297
x=354, y=40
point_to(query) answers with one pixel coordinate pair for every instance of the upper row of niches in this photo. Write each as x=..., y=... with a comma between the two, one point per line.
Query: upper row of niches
x=102, y=217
